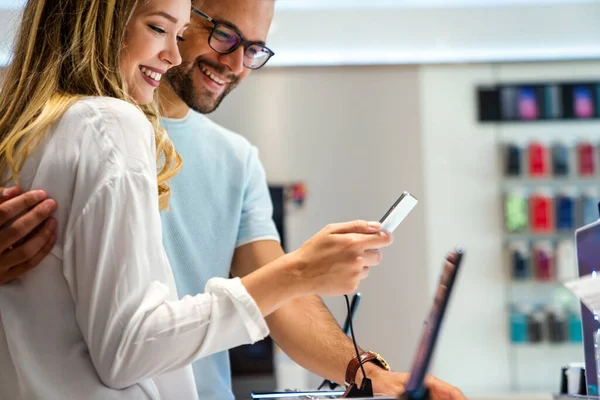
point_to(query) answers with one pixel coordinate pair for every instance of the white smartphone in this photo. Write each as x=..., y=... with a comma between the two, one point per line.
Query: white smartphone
x=397, y=212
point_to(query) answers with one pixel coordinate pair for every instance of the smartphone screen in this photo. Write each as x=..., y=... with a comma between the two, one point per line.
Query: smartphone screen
x=528, y=107
x=583, y=102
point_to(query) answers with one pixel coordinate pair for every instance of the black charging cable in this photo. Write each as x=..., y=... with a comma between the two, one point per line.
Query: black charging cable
x=362, y=368
x=366, y=387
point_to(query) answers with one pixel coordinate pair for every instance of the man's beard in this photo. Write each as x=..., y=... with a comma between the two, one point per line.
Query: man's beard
x=198, y=99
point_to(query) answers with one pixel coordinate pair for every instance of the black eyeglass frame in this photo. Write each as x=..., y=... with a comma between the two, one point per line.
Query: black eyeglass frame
x=243, y=42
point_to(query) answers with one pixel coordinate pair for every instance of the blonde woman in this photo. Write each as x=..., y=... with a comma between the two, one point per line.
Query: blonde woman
x=99, y=318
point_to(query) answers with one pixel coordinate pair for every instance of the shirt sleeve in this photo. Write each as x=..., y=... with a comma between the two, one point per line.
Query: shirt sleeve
x=125, y=299
x=257, y=209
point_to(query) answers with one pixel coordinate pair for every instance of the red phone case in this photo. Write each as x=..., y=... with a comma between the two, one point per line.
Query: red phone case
x=541, y=211
x=538, y=160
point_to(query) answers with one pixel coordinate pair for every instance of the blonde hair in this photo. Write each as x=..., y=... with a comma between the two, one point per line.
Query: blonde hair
x=65, y=50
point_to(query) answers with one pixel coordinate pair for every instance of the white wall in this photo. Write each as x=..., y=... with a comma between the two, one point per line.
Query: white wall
x=464, y=208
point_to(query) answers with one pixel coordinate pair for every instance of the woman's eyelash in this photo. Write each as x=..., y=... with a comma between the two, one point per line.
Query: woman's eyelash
x=162, y=32
x=157, y=29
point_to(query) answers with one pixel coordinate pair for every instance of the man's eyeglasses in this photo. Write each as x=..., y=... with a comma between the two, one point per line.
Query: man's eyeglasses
x=225, y=39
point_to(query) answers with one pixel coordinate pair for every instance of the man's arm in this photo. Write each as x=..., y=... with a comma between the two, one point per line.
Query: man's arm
x=26, y=231
x=304, y=328
x=306, y=331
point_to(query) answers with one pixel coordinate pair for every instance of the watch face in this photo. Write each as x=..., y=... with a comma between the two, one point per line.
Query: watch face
x=384, y=363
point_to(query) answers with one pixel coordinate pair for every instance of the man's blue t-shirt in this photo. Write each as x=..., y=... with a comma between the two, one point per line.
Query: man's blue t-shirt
x=219, y=201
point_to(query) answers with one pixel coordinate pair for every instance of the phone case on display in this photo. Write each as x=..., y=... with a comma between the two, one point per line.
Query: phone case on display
x=509, y=102
x=575, y=328
x=541, y=213
x=589, y=208
x=565, y=213
x=538, y=160
x=586, y=159
x=516, y=212
x=488, y=101
x=557, y=325
x=566, y=264
x=543, y=262
x=560, y=160
x=552, y=102
x=520, y=261
x=519, y=321
x=598, y=97
x=535, y=322
x=513, y=156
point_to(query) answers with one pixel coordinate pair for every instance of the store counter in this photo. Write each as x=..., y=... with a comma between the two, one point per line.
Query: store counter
x=509, y=397
x=514, y=396
x=527, y=396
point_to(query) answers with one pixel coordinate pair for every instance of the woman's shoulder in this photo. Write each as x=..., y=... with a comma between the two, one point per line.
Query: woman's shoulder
x=113, y=129
x=106, y=110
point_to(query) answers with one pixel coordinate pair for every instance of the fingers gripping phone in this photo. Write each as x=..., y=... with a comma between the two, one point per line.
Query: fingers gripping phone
x=397, y=212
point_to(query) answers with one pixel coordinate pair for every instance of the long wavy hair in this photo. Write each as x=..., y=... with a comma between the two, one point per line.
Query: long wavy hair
x=66, y=50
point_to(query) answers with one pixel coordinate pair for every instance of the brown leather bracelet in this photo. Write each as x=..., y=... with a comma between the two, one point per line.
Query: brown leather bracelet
x=365, y=357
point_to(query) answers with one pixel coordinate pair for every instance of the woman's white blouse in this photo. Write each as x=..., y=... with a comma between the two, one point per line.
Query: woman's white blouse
x=100, y=317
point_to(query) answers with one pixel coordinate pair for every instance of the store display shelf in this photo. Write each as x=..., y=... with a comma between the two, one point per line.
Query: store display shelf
x=545, y=346
x=568, y=132
x=535, y=283
x=558, y=184
x=510, y=237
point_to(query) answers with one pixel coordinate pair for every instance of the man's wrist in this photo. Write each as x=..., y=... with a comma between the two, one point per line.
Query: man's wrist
x=371, y=362
x=371, y=369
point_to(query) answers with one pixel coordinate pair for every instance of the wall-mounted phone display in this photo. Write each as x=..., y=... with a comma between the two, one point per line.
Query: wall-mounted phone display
x=529, y=102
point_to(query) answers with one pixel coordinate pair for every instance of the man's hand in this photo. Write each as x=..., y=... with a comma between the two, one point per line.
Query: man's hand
x=393, y=383
x=26, y=231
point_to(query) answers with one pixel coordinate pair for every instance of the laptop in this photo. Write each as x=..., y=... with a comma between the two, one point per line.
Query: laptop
x=587, y=241
x=415, y=388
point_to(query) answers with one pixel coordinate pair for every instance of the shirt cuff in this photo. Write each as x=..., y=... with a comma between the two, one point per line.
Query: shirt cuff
x=255, y=324
x=257, y=239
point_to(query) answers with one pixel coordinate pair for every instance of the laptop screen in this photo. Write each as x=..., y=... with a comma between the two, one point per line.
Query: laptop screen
x=588, y=261
x=415, y=386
